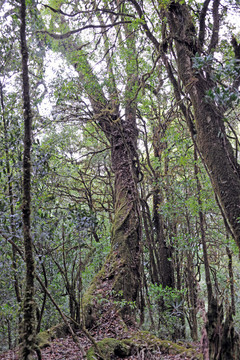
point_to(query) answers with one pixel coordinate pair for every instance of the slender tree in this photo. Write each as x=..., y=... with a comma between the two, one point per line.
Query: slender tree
x=28, y=331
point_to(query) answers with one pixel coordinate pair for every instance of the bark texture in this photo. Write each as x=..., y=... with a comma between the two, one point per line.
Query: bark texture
x=126, y=229
x=122, y=267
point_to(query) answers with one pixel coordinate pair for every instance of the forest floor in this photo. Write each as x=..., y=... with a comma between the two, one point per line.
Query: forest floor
x=110, y=325
x=67, y=349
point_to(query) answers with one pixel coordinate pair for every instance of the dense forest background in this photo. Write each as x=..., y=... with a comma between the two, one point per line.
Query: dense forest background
x=119, y=174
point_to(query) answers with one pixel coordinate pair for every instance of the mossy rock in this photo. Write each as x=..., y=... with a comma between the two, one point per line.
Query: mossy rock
x=109, y=347
x=45, y=337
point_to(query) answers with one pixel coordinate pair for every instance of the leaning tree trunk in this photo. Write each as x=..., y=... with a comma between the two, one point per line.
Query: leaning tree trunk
x=208, y=131
x=223, y=342
x=210, y=134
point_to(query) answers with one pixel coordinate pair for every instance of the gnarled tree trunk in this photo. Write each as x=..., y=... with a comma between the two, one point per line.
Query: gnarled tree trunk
x=119, y=278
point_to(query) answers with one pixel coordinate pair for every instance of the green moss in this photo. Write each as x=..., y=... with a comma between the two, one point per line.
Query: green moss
x=98, y=279
x=109, y=347
x=44, y=338
x=90, y=306
x=145, y=338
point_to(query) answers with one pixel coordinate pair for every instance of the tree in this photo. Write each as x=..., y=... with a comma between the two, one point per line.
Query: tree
x=200, y=83
x=116, y=116
x=28, y=331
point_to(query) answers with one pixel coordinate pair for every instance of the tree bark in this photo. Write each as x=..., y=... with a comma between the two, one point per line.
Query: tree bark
x=28, y=331
x=207, y=128
x=223, y=341
x=126, y=229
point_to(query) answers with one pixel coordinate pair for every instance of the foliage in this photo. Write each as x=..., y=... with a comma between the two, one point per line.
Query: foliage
x=168, y=321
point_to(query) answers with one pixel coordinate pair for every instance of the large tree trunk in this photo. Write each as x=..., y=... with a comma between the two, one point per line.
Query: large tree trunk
x=126, y=229
x=119, y=278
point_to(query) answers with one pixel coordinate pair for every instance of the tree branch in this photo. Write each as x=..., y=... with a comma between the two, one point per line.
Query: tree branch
x=144, y=24
x=202, y=25
x=72, y=32
x=236, y=48
x=216, y=21
x=107, y=11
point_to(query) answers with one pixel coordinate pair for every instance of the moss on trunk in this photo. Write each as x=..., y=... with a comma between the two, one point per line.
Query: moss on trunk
x=119, y=279
x=102, y=295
